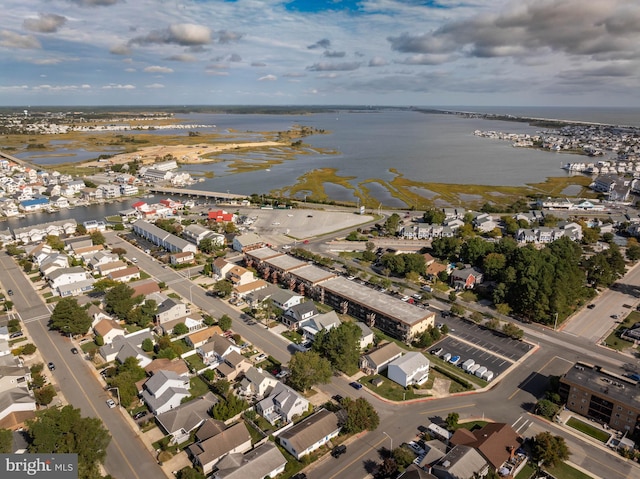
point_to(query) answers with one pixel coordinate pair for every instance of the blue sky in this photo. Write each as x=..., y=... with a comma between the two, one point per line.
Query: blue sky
x=322, y=52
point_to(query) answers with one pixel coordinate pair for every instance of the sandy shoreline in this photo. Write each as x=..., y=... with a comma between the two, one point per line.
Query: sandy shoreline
x=186, y=154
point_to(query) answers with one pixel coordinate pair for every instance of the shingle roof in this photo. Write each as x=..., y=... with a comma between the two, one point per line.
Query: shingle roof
x=311, y=429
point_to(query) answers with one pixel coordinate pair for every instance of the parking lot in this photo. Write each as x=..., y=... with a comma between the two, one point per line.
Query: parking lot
x=495, y=352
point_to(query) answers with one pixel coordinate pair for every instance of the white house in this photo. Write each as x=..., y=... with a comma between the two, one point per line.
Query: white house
x=412, y=368
x=62, y=277
x=320, y=322
x=367, y=336
x=208, y=451
x=310, y=434
x=256, y=383
x=214, y=351
x=109, y=329
x=265, y=460
x=282, y=404
x=164, y=391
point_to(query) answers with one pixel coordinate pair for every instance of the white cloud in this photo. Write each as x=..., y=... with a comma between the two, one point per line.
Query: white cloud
x=10, y=39
x=158, y=69
x=118, y=86
x=155, y=85
x=268, y=78
x=45, y=23
x=185, y=34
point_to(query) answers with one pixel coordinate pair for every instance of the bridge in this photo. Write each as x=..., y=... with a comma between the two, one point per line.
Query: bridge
x=212, y=195
x=20, y=162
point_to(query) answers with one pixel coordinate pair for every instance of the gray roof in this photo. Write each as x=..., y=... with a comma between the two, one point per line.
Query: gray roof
x=256, y=463
x=217, y=446
x=189, y=415
x=376, y=301
x=285, y=262
x=311, y=429
x=62, y=271
x=281, y=295
x=263, y=253
x=384, y=354
x=43, y=226
x=461, y=461
x=410, y=362
x=299, y=310
x=366, y=330
x=313, y=274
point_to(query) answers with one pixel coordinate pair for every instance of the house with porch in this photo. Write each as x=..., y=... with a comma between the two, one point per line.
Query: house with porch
x=310, y=434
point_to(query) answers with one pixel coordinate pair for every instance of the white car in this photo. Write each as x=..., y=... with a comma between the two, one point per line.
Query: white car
x=261, y=357
x=111, y=403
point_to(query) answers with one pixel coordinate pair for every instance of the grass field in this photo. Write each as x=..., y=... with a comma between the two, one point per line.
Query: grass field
x=589, y=430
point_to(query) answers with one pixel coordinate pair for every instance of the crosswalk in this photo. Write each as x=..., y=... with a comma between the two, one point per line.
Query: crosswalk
x=522, y=426
x=36, y=318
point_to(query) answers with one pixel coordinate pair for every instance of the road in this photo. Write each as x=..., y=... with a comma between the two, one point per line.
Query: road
x=127, y=456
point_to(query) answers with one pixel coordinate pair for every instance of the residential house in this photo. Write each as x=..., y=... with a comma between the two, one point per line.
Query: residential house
x=108, y=268
x=126, y=346
x=496, y=442
x=109, y=329
x=485, y=223
x=35, y=204
x=70, y=281
x=213, y=352
x=366, y=337
x=247, y=241
x=265, y=460
x=186, y=257
x=233, y=365
x=101, y=258
x=310, y=434
x=460, y=462
x=434, y=451
x=466, y=278
x=171, y=309
x=164, y=391
x=144, y=287
x=240, y=276
x=162, y=238
x=434, y=269
x=256, y=383
x=17, y=403
x=52, y=263
x=412, y=368
x=97, y=314
x=285, y=298
x=415, y=472
x=95, y=225
x=377, y=360
x=200, y=337
x=282, y=404
x=221, y=216
x=192, y=321
x=75, y=242
x=196, y=233
x=206, y=453
x=297, y=314
x=125, y=275
x=177, y=365
x=320, y=322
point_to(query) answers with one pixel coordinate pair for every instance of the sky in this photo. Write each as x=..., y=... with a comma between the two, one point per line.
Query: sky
x=320, y=52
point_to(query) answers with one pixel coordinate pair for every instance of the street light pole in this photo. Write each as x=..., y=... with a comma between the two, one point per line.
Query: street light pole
x=390, y=440
x=555, y=323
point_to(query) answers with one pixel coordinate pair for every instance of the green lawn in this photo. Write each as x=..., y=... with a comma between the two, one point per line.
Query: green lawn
x=589, y=430
x=614, y=341
x=197, y=387
x=471, y=425
x=195, y=362
x=526, y=472
x=565, y=471
x=389, y=389
x=293, y=336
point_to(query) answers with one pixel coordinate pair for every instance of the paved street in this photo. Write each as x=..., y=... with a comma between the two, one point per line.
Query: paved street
x=127, y=456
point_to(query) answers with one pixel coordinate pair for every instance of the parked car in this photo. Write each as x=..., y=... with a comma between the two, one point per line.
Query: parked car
x=300, y=475
x=454, y=360
x=415, y=447
x=591, y=306
x=74, y=350
x=338, y=451
x=261, y=357
x=17, y=334
x=111, y=403
x=139, y=415
x=355, y=385
x=337, y=398
x=10, y=292
x=51, y=366
x=437, y=351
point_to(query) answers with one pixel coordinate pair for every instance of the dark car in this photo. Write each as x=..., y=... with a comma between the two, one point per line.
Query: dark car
x=51, y=366
x=139, y=415
x=300, y=475
x=337, y=398
x=17, y=334
x=10, y=292
x=355, y=385
x=74, y=350
x=591, y=306
x=338, y=451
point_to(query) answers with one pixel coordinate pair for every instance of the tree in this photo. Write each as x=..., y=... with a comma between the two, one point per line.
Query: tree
x=119, y=300
x=233, y=406
x=127, y=374
x=69, y=317
x=434, y=216
x=189, y=473
x=147, y=345
x=403, y=456
x=207, y=245
x=223, y=288
x=28, y=349
x=341, y=346
x=549, y=450
x=180, y=329
x=225, y=322
x=98, y=238
x=55, y=242
x=546, y=408
x=6, y=441
x=388, y=468
x=119, y=251
x=458, y=310
x=104, y=284
x=633, y=252
x=307, y=369
x=45, y=394
x=361, y=416
x=513, y=331
x=392, y=223
x=452, y=420
x=63, y=430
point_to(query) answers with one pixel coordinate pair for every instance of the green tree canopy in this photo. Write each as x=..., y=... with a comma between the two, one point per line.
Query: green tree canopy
x=307, y=369
x=63, y=430
x=6, y=441
x=69, y=317
x=434, y=216
x=361, y=416
x=228, y=408
x=549, y=450
x=127, y=374
x=119, y=300
x=225, y=322
x=341, y=346
x=452, y=420
x=180, y=329
x=223, y=288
